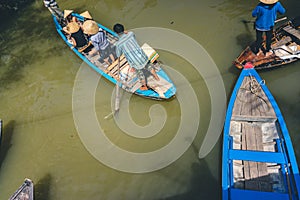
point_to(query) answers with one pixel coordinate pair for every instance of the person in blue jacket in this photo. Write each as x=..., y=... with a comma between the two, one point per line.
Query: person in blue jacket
x=265, y=13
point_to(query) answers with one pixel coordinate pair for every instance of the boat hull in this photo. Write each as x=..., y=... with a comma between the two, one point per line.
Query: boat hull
x=258, y=159
x=163, y=89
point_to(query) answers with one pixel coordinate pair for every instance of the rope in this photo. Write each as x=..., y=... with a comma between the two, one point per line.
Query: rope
x=255, y=89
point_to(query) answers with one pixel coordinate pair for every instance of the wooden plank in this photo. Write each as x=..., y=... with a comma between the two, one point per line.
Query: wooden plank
x=237, y=107
x=248, y=118
x=241, y=98
x=114, y=71
x=115, y=64
x=256, y=169
x=244, y=147
x=263, y=175
x=251, y=182
x=258, y=137
x=292, y=31
x=282, y=41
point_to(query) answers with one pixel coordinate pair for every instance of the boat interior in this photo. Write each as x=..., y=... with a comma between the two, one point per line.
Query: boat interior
x=255, y=135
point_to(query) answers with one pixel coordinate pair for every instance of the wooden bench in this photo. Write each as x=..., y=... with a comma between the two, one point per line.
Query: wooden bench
x=292, y=31
x=245, y=118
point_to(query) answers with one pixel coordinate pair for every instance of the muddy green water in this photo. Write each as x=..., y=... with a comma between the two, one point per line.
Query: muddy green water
x=37, y=76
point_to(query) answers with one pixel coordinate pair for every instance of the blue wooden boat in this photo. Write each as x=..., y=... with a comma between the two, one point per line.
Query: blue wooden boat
x=258, y=158
x=158, y=90
x=24, y=192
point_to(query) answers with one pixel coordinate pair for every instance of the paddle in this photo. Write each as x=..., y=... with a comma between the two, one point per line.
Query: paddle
x=253, y=21
x=117, y=98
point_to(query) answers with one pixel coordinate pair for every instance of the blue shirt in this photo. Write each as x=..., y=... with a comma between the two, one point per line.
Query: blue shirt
x=133, y=53
x=266, y=15
x=99, y=41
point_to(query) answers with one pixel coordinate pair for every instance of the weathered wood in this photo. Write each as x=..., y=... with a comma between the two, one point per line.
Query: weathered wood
x=25, y=191
x=253, y=175
x=282, y=37
x=244, y=118
x=292, y=31
x=114, y=65
x=282, y=41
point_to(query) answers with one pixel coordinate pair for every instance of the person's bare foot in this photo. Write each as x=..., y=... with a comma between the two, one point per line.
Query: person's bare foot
x=269, y=53
x=155, y=75
x=260, y=53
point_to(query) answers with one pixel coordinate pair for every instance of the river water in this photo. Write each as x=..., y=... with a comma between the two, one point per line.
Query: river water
x=42, y=137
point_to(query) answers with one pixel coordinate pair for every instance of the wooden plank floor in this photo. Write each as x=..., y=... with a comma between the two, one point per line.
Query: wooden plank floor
x=253, y=128
x=292, y=31
x=251, y=101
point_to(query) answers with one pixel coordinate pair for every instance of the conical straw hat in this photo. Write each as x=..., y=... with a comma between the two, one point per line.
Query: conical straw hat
x=90, y=27
x=268, y=1
x=67, y=13
x=73, y=27
x=86, y=15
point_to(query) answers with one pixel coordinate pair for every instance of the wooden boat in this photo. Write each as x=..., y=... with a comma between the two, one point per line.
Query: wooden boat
x=258, y=158
x=159, y=90
x=285, y=46
x=24, y=192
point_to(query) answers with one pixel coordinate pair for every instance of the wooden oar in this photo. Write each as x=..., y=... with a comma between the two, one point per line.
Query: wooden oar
x=117, y=98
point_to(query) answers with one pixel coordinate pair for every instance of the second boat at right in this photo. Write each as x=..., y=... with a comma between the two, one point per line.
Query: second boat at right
x=285, y=47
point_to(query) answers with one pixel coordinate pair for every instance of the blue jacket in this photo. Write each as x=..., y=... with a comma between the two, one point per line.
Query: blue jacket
x=266, y=15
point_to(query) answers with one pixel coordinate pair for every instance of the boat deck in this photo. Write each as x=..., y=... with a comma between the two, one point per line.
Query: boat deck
x=292, y=31
x=253, y=129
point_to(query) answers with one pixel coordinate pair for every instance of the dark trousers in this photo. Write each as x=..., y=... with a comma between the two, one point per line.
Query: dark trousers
x=259, y=41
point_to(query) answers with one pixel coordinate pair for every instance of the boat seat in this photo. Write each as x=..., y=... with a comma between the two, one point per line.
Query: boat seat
x=292, y=31
x=253, y=118
x=282, y=41
x=257, y=156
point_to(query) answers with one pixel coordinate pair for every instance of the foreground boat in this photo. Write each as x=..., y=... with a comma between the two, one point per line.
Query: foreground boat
x=258, y=156
x=24, y=192
x=158, y=89
x=285, y=47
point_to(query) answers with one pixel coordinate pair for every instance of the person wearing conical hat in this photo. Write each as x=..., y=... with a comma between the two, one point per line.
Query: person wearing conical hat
x=67, y=13
x=265, y=13
x=77, y=37
x=99, y=40
x=69, y=17
x=86, y=15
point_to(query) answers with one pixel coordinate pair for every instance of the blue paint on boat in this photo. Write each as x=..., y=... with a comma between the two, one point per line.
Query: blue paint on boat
x=284, y=156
